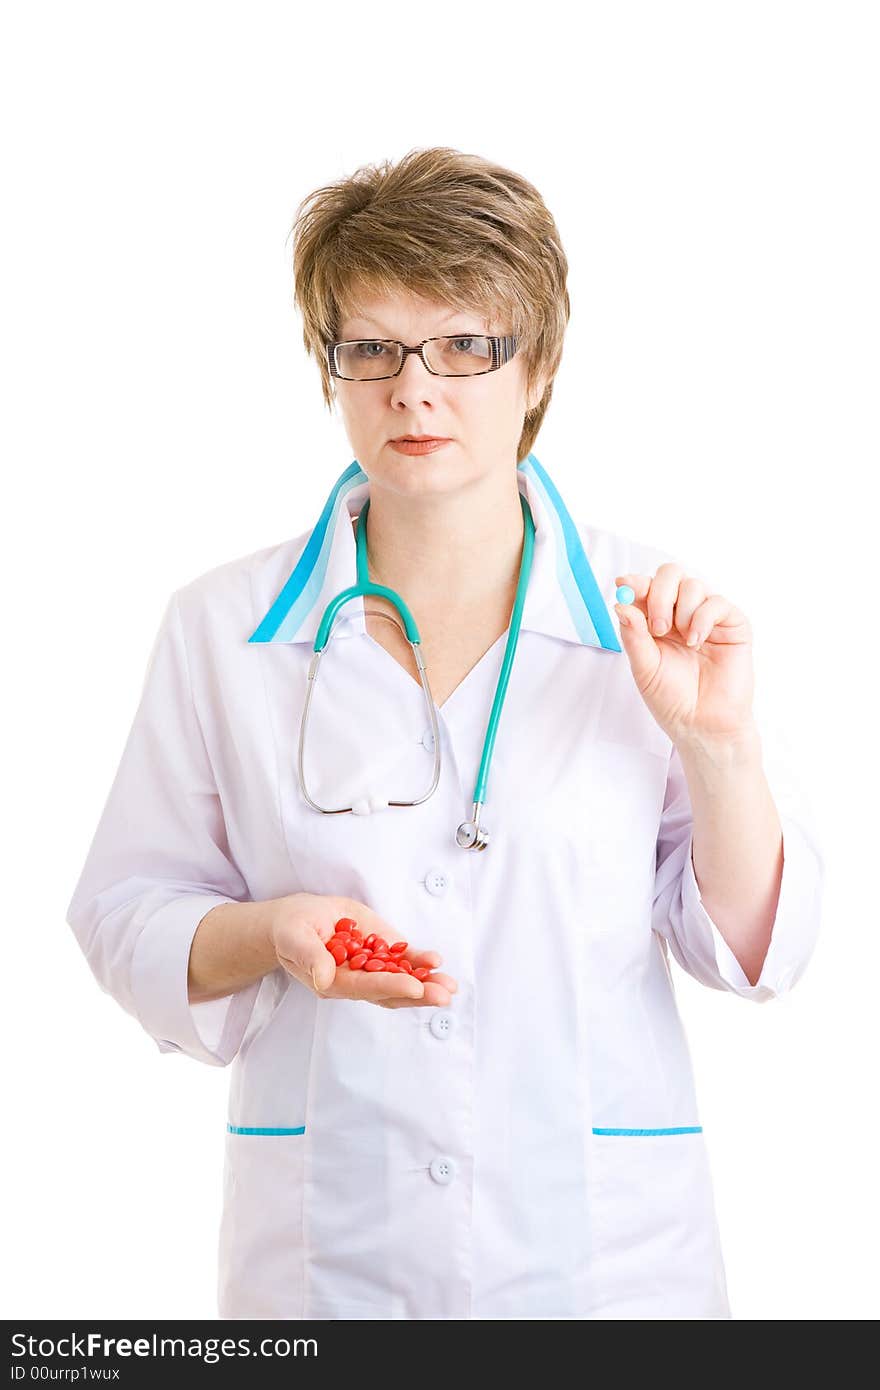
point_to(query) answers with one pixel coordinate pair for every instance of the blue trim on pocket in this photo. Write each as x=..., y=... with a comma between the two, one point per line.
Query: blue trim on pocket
x=680, y=1129
x=301, y=1129
x=248, y=1129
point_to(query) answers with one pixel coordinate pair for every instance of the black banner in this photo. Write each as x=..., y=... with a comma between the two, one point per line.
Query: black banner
x=141, y=1353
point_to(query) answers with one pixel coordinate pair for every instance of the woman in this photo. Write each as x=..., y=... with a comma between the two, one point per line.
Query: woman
x=516, y=1136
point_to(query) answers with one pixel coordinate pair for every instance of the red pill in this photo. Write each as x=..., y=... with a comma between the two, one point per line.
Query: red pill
x=421, y=972
x=356, y=935
x=353, y=947
x=345, y=923
x=380, y=944
x=392, y=969
x=337, y=951
x=359, y=961
x=404, y=965
x=375, y=964
x=371, y=939
x=399, y=946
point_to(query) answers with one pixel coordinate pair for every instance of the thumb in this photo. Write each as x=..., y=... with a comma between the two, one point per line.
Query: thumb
x=639, y=645
x=320, y=967
x=307, y=959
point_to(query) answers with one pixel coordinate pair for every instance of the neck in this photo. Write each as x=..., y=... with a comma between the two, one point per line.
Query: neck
x=459, y=551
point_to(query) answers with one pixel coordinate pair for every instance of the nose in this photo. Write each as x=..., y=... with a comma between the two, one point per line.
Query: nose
x=414, y=383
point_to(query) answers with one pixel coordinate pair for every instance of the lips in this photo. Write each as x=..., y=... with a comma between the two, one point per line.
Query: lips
x=419, y=439
x=418, y=446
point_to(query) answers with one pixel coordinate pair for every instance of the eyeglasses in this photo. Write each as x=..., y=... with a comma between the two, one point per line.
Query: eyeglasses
x=378, y=359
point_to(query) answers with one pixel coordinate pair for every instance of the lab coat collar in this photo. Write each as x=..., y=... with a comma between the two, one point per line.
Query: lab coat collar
x=562, y=600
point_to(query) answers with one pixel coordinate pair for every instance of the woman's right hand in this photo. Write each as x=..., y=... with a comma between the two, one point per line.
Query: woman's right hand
x=301, y=924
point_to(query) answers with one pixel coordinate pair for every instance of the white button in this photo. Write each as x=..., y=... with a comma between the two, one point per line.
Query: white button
x=442, y=1023
x=428, y=740
x=436, y=881
x=443, y=1168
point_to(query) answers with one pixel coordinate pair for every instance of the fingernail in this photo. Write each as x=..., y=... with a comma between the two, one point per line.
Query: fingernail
x=694, y=639
x=659, y=627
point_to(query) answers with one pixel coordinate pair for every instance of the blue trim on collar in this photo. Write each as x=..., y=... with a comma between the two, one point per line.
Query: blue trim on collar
x=578, y=583
x=284, y=618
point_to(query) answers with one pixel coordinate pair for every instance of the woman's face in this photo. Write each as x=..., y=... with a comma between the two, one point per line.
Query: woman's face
x=481, y=415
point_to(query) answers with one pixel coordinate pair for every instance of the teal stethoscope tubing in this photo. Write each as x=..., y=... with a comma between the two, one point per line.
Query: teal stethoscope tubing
x=470, y=834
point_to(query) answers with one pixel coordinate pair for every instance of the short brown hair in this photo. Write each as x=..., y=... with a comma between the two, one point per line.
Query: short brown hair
x=444, y=225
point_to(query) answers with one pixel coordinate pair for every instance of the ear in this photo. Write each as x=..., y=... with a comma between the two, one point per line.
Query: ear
x=536, y=395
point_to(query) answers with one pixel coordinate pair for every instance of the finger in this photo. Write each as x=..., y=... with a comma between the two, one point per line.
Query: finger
x=429, y=958
x=436, y=994
x=439, y=989
x=436, y=977
x=639, y=583
x=717, y=620
x=661, y=598
x=375, y=985
x=640, y=647
x=628, y=613
x=691, y=593
x=655, y=597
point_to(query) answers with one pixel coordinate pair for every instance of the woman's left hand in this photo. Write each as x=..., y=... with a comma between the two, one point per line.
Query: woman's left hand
x=699, y=694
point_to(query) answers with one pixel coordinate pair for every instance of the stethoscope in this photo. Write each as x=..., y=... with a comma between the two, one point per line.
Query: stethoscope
x=470, y=834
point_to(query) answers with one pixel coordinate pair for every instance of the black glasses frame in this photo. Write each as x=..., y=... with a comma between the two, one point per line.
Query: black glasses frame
x=503, y=348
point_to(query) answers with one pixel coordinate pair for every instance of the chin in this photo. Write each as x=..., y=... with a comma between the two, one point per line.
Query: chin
x=415, y=473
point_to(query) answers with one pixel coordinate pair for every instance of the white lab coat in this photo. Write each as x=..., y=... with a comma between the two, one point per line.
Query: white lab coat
x=534, y=1150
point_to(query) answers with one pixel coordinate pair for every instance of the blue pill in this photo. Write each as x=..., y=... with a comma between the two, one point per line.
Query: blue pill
x=625, y=594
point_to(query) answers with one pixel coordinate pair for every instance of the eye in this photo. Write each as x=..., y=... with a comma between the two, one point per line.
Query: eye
x=467, y=341
x=364, y=348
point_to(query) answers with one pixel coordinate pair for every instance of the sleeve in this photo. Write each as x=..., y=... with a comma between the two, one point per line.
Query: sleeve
x=158, y=862
x=678, y=912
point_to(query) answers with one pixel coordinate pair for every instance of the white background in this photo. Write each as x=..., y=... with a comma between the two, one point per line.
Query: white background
x=712, y=169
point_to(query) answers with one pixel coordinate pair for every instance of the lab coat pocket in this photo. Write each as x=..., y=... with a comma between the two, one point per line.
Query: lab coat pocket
x=261, y=1257
x=623, y=792
x=656, y=1250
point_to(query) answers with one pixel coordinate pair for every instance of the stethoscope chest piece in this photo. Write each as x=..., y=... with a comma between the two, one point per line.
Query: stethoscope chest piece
x=471, y=835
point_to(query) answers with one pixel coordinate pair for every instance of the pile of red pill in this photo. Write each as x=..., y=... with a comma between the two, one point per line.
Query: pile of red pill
x=347, y=944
